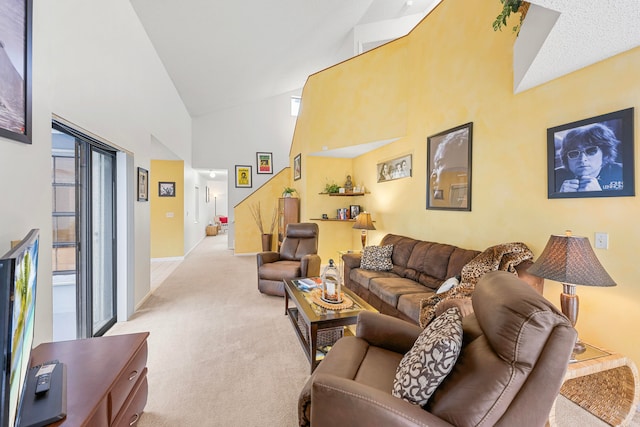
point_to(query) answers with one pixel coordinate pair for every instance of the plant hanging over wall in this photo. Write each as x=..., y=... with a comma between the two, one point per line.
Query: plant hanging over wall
x=509, y=7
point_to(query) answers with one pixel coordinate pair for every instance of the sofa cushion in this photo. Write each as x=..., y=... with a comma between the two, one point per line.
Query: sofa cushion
x=431, y=259
x=430, y=360
x=377, y=258
x=402, y=248
x=410, y=304
x=363, y=277
x=390, y=289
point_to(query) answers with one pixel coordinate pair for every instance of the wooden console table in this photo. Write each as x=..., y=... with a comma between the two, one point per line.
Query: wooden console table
x=106, y=378
x=604, y=384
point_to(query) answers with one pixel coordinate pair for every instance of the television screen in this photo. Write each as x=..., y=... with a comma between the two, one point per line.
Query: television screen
x=18, y=273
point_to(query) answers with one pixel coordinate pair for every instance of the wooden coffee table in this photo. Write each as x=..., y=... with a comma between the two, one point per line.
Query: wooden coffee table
x=311, y=321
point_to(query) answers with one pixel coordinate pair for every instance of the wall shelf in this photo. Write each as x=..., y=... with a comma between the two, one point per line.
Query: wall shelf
x=344, y=194
x=332, y=219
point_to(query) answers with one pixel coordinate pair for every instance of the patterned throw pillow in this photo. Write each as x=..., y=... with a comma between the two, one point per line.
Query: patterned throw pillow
x=377, y=258
x=430, y=360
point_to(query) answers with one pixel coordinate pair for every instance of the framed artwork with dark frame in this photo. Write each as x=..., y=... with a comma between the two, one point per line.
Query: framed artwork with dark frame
x=394, y=169
x=354, y=211
x=166, y=189
x=449, y=169
x=243, y=176
x=592, y=157
x=143, y=185
x=297, y=167
x=264, y=162
x=15, y=90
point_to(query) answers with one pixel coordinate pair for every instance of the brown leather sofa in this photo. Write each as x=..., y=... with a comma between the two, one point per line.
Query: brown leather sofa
x=515, y=351
x=419, y=268
x=298, y=257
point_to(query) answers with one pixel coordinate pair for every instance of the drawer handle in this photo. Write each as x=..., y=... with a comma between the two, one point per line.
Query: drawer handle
x=134, y=419
x=132, y=375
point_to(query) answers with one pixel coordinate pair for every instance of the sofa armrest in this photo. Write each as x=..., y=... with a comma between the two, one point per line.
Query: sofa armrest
x=342, y=402
x=352, y=260
x=267, y=257
x=381, y=330
x=310, y=265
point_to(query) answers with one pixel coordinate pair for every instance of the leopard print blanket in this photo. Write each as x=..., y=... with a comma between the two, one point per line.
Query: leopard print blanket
x=503, y=257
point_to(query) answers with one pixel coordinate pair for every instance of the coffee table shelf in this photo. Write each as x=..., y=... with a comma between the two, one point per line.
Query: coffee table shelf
x=313, y=323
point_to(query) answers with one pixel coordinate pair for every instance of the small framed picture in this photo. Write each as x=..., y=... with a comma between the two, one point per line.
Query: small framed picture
x=264, y=162
x=167, y=189
x=394, y=169
x=297, y=167
x=355, y=211
x=243, y=176
x=449, y=169
x=592, y=157
x=143, y=185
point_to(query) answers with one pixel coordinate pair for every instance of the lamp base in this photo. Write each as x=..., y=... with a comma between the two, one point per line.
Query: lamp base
x=579, y=347
x=363, y=238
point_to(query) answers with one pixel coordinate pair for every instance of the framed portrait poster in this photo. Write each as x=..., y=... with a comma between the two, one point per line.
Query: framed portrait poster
x=297, y=167
x=592, y=157
x=15, y=89
x=449, y=169
x=167, y=189
x=243, y=176
x=394, y=169
x=264, y=162
x=143, y=185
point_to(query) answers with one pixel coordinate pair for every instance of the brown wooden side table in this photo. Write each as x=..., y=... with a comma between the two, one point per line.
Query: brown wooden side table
x=604, y=384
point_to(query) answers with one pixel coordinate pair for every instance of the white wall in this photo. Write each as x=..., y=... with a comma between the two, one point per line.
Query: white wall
x=232, y=137
x=94, y=66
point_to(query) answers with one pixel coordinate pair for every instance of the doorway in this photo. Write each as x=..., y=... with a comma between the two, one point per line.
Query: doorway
x=84, y=234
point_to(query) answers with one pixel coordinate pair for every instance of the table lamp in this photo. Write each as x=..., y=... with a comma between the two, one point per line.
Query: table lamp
x=571, y=261
x=364, y=223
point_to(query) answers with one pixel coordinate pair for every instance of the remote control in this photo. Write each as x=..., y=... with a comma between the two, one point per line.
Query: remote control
x=43, y=378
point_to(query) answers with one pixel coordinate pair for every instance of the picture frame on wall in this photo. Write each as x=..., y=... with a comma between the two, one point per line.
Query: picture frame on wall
x=166, y=189
x=243, y=176
x=449, y=169
x=394, y=169
x=15, y=90
x=592, y=157
x=297, y=167
x=143, y=185
x=264, y=163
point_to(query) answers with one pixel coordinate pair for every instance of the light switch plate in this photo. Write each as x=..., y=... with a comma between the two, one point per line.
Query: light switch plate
x=602, y=241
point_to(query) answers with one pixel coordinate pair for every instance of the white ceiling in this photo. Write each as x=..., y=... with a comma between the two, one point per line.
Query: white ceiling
x=223, y=54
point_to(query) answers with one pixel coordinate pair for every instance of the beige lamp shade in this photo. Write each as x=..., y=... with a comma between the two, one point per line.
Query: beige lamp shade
x=363, y=222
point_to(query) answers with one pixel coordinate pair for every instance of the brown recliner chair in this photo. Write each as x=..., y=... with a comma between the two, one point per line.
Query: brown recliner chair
x=515, y=351
x=298, y=257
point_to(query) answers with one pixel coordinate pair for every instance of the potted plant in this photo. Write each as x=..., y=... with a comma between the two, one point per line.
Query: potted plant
x=509, y=7
x=331, y=188
x=288, y=192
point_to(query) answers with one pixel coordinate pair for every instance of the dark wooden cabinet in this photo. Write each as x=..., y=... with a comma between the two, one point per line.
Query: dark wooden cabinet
x=288, y=212
x=106, y=378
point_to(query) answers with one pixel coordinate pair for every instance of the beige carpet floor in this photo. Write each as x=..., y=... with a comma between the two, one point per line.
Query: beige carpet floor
x=222, y=354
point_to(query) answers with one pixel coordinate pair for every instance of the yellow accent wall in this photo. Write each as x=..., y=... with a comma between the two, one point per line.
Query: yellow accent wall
x=248, y=238
x=167, y=213
x=454, y=69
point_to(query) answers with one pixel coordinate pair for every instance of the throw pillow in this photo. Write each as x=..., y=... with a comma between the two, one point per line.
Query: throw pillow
x=377, y=258
x=430, y=360
x=448, y=284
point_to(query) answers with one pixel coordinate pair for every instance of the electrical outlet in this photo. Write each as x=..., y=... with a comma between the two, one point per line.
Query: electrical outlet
x=602, y=241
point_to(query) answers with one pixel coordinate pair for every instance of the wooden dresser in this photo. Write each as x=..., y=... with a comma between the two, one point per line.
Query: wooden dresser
x=106, y=378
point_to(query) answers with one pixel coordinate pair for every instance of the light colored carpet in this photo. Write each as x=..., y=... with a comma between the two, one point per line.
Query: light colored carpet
x=222, y=354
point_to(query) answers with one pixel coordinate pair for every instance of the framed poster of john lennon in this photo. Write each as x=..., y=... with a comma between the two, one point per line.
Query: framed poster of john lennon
x=15, y=69
x=592, y=157
x=449, y=169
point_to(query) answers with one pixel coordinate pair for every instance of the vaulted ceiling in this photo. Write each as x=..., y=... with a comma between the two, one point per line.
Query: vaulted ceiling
x=224, y=54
